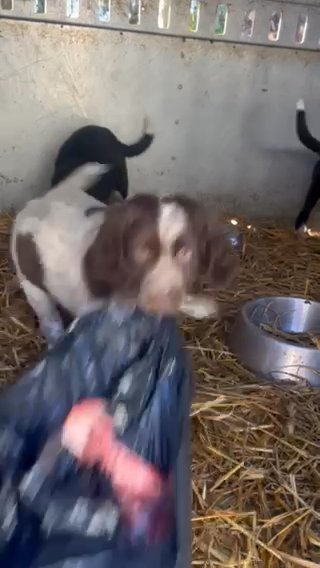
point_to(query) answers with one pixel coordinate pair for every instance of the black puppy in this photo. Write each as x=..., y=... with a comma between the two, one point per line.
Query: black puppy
x=99, y=144
x=314, y=145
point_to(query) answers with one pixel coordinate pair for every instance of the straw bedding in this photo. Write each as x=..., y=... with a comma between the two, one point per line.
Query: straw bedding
x=256, y=447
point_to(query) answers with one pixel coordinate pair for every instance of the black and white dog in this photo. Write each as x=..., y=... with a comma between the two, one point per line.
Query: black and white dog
x=312, y=144
x=97, y=144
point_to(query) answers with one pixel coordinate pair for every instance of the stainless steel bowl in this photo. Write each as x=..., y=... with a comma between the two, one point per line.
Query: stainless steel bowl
x=271, y=357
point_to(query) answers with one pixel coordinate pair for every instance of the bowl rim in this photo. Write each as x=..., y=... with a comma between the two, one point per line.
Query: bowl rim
x=281, y=342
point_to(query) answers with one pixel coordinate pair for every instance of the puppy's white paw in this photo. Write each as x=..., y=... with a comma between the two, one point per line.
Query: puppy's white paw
x=199, y=307
x=300, y=105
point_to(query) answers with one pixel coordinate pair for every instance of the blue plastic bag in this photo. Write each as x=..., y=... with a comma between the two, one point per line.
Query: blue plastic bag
x=54, y=512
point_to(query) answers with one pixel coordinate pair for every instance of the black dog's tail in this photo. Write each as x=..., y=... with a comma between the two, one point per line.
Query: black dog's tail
x=132, y=150
x=303, y=131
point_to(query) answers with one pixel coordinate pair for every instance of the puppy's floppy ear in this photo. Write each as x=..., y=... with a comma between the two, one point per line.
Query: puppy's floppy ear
x=104, y=263
x=109, y=263
x=218, y=262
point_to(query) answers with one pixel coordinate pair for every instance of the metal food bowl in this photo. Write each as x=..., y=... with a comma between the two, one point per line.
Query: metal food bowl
x=276, y=358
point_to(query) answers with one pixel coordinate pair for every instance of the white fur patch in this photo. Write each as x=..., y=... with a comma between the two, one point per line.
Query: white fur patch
x=300, y=105
x=199, y=307
x=62, y=239
x=167, y=278
x=62, y=234
x=84, y=176
x=172, y=223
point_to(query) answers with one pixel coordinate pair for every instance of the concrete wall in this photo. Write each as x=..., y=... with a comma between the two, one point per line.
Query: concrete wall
x=223, y=115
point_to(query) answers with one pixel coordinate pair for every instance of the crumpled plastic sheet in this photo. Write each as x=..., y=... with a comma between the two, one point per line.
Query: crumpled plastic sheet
x=54, y=512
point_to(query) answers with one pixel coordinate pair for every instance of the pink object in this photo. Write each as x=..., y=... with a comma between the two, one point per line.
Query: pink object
x=88, y=434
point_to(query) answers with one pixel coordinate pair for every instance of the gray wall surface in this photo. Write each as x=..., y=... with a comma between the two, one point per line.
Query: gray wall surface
x=223, y=114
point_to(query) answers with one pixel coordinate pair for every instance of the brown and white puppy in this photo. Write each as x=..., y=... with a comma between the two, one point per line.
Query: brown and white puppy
x=71, y=252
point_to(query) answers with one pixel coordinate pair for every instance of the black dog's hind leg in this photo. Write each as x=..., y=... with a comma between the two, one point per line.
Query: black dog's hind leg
x=313, y=196
x=122, y=182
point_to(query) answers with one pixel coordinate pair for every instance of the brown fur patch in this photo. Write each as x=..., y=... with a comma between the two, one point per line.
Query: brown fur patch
x=29, y=260
x=32, y=269
x=126, y=245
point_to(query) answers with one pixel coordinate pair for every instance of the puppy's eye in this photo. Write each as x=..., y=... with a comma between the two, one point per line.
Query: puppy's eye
x=146, y=250
x=143, y=254
x=182, y=249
